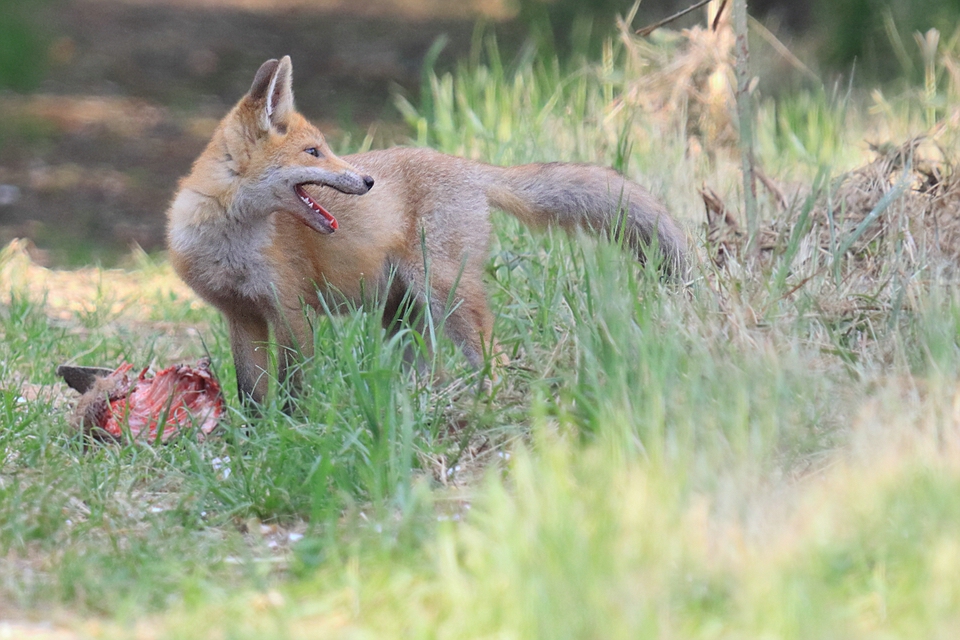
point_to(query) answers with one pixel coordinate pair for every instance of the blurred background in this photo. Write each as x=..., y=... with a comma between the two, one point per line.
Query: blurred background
x=105, y=103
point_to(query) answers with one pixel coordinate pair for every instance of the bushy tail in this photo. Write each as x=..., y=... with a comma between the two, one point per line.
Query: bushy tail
x=596, y=199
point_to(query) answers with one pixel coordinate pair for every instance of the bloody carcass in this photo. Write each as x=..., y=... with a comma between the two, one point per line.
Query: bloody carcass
x=114, y=403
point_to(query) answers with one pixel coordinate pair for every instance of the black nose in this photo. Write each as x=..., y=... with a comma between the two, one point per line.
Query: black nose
x=368, y=180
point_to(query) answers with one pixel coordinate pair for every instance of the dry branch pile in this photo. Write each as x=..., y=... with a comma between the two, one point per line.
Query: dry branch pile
x=901, y=210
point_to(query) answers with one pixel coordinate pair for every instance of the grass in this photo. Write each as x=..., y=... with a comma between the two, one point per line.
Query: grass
x=758, y=453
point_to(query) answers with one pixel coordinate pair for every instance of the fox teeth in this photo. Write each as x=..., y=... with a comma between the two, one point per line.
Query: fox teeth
x=310, y=203
x=316, y=207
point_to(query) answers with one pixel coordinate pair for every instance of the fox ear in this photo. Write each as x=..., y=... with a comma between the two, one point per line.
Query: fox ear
x=260, y=81
x=272, y=92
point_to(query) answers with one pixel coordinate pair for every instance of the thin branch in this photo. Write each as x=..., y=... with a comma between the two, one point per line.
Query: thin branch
x=782, y=49
x=716, y=18
x=656, y=25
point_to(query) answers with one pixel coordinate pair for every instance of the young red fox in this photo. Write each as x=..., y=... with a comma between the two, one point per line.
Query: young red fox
x=254, y=232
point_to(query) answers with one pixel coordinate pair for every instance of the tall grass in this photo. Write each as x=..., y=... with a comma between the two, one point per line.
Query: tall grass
x=735, y=456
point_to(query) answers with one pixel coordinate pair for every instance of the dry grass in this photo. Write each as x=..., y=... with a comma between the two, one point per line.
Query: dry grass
x=903, y=201
x=684, y=78
x=118, y=294
x=865, y=246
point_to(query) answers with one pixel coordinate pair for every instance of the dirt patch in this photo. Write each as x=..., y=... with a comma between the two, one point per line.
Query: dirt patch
x=35, y=631
x=404, y=9
x=65, y=295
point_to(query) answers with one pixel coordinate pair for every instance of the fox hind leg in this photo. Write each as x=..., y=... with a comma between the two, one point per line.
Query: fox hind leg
x=457, y=301
x=401, y=310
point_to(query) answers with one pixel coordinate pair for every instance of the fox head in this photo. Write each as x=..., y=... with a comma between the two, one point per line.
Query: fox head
x=272, y=152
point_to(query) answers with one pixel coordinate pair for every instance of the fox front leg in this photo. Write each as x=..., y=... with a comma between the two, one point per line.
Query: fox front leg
x=295, y=337
x=249, y=336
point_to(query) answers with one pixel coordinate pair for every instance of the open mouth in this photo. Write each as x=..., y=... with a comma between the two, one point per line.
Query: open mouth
x=323, y=221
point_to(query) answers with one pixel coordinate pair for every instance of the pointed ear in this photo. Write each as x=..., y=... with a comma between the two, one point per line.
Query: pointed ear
x=272, y=93
x=260, y=81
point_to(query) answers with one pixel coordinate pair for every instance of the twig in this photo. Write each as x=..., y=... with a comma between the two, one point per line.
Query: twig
x=656, y=25
x=716, y=18
x=745, y=117
x=782, y=49
x=774, y=190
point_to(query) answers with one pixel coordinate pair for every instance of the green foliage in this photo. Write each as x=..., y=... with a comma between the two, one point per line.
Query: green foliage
x=23, y=45
x=871, y=34
x=571, y=28
x=808, y=127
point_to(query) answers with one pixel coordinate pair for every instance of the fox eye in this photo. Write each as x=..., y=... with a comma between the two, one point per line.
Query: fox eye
x=314, y=152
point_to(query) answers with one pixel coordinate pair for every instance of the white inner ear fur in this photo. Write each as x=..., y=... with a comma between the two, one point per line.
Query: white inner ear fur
x=270, y=88
x=278, y=104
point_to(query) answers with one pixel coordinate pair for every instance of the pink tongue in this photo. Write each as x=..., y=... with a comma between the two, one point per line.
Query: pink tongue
x=316, y=207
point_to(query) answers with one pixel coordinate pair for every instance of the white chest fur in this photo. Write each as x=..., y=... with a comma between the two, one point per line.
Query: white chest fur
x=225, y=255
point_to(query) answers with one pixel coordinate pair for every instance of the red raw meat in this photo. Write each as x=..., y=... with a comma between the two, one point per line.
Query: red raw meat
x=179, y=397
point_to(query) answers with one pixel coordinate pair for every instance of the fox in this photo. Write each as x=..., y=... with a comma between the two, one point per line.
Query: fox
x=269, y=221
